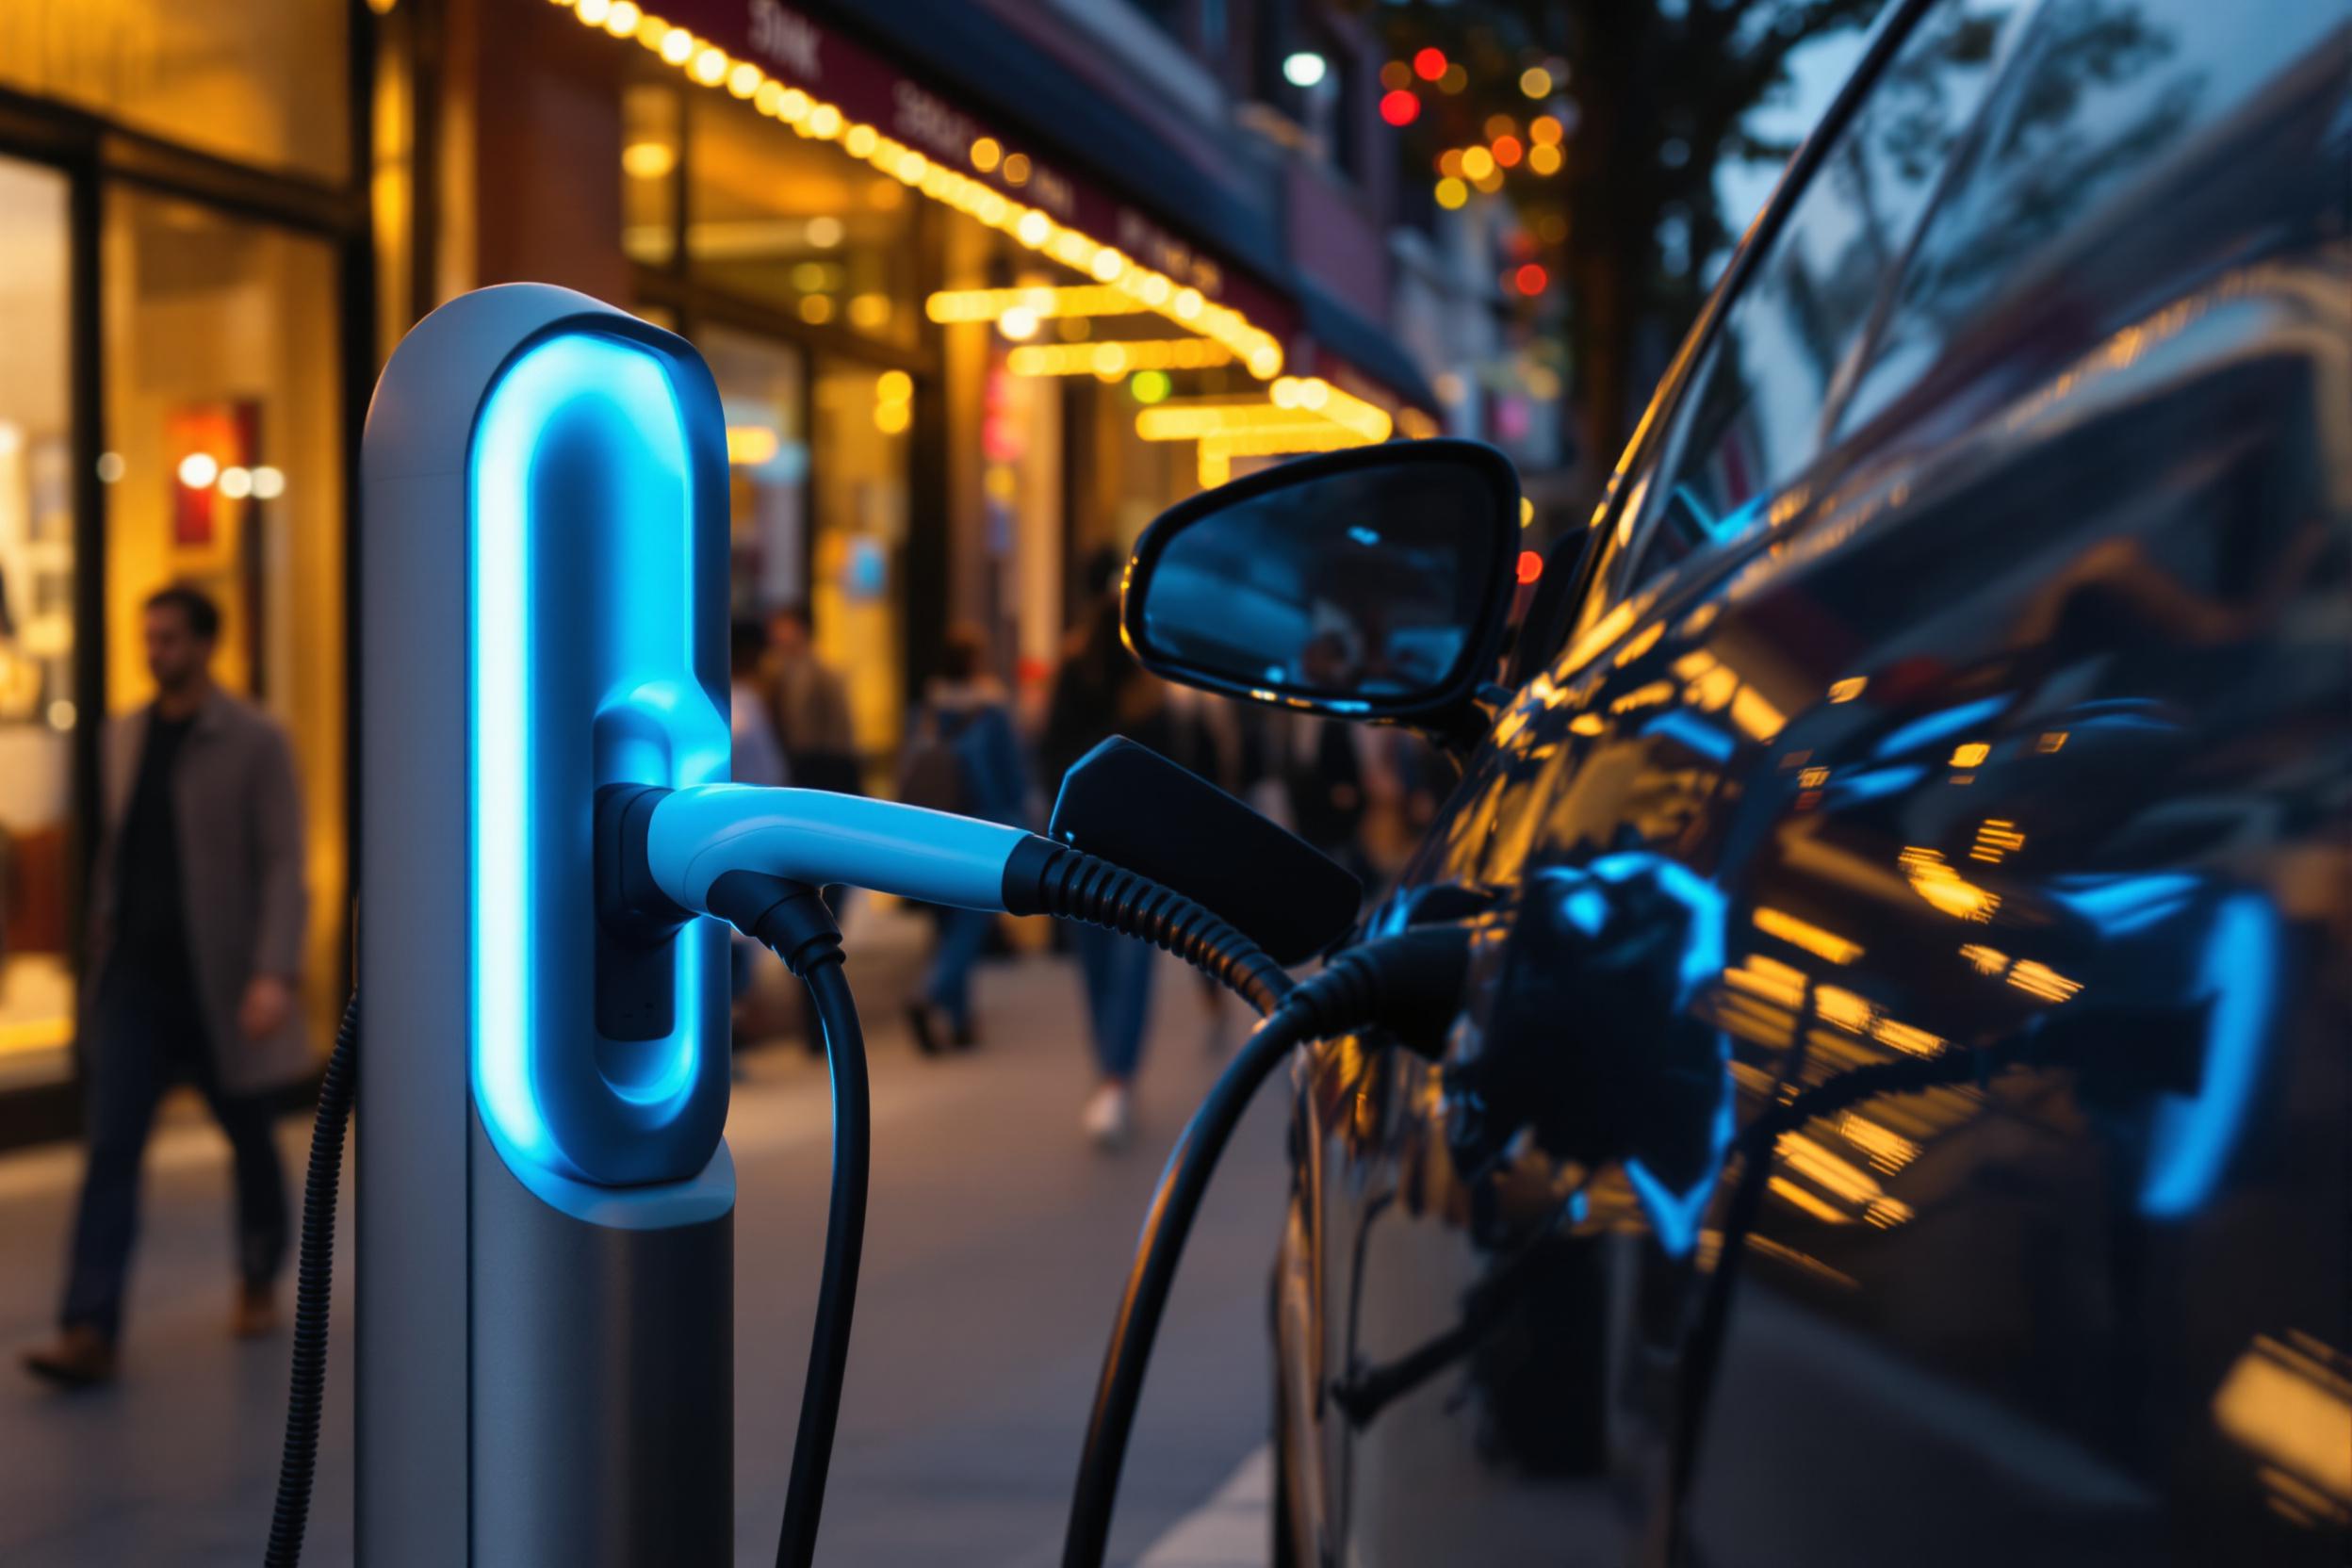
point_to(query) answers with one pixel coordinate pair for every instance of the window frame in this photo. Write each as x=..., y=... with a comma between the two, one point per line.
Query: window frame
x=1539, y=646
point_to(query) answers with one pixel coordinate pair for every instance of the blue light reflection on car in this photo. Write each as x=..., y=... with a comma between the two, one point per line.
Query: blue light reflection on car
x=2192, y=1136
x=1940, y=726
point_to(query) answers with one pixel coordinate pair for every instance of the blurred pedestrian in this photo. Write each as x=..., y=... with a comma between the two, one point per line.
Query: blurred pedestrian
x=758, y=758
x=809, y=702
x=198, y=914
x=963, y=756
x=1324, y=776
x=758, y=754
x=1100, y=692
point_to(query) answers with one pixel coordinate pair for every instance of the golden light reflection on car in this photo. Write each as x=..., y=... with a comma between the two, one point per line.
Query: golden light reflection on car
x=1805, y=934
x=2289, y=1402
x=1945, y=889
x=1995, y=837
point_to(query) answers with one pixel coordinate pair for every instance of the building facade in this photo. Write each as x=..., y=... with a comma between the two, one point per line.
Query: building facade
x=985, y=287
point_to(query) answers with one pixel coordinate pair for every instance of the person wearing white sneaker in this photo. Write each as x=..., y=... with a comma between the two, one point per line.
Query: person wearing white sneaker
x=1107, y=1120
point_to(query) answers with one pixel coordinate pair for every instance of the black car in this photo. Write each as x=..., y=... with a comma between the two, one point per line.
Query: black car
x=1897, y=1114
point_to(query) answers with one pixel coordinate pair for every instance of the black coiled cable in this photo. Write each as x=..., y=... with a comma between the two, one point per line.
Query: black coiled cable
x=313, y=1274
x=1046, y=878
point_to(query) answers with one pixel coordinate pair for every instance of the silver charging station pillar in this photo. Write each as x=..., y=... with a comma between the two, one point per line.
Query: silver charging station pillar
x=545, y=1208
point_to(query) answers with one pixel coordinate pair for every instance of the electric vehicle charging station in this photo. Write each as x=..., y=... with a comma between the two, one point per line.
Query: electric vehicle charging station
x=545, y=1206
x=545, y=1201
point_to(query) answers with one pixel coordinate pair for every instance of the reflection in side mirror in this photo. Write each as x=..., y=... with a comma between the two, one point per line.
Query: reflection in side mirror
x=1371, y=583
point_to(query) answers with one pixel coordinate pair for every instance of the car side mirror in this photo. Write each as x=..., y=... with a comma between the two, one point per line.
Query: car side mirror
x=1370, y=583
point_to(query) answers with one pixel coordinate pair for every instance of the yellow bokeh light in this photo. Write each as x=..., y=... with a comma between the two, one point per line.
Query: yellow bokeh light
x=648, y=160
x=678, y=45
x=859, y=141
x=894, y=386
x=1451, y=194
x=592, y=12
x=986, y=154
x=1536, y=82
x=1545, y=130
x=1017, y=168
x=825, y=122
x=1543, y=159
x=1477, y=163
x=744, y=79
x=1034, y=229
x=622, y=19
x=709, y=65
x=892, y=418
x=748, y=445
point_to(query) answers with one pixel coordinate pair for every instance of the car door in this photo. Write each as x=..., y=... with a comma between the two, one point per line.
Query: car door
x=1943, y=775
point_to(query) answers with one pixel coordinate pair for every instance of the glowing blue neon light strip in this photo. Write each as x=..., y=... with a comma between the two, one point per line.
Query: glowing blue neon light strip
x=514, y=953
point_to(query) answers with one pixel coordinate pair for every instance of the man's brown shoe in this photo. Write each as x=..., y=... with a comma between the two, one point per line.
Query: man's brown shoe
x=256, y=1312
x=81, y=1358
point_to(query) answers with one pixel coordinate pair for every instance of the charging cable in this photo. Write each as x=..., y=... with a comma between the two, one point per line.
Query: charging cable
x=314, y=1273
x=1409, y=984
x=754, y=858
x=790, y=919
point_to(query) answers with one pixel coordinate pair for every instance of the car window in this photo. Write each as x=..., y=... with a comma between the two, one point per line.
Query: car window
x=2102, y=92
x=1752, y=416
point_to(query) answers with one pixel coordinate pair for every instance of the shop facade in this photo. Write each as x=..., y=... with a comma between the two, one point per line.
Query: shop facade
x=970, y=328
x=185, y=300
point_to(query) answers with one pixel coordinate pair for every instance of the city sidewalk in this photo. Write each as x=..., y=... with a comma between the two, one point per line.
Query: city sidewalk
x=997, y=1241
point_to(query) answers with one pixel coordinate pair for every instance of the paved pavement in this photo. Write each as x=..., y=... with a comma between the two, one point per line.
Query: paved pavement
x=996, y=1243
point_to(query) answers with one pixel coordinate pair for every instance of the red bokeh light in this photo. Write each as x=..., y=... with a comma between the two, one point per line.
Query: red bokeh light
x=1530, y=280
x=1429, y=64
x=1400, y=107
x=1508, y=152
x=1531, y=565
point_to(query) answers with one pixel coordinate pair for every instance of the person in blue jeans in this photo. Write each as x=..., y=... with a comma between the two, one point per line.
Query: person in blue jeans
x=1098, y=693
x=963, y=756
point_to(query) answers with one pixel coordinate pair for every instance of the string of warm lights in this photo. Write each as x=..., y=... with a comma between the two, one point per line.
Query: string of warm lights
x=1042, y=303
x=1303, y=414
x=709, y=65
x=1109, y=361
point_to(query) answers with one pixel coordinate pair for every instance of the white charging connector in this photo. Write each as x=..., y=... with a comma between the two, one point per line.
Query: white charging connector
x=699, y=834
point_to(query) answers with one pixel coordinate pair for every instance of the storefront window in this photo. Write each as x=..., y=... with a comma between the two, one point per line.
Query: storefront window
x=761, y=387
x=263, y=81
x=649, y=153
x=859, y=478
x=37, y=703
x=792, y=223
x=224, y=424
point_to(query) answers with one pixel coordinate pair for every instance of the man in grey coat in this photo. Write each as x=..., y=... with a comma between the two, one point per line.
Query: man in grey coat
x=199, y=912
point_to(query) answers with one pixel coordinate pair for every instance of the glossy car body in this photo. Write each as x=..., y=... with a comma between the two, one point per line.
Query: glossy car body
x=1954, y=734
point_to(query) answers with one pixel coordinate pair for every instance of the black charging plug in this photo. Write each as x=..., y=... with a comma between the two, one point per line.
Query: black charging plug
x=636, y=922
